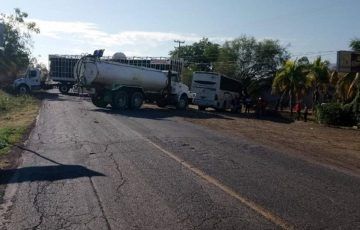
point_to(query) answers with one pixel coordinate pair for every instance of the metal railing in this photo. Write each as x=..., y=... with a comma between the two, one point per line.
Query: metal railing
x=62, y=66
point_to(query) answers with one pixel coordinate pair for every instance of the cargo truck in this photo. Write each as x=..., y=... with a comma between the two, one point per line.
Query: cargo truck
x=61, y=76
x=126, y=86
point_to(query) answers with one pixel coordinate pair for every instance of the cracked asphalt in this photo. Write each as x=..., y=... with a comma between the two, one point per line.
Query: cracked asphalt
x=87, y=168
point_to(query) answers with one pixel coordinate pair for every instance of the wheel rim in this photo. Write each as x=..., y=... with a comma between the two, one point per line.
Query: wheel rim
x=22, y=90
x=137, y=101
x=121, y=100
x=63, y=88
x=182, y=103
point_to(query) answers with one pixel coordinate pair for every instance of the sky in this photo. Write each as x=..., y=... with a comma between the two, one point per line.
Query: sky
x=149, y=28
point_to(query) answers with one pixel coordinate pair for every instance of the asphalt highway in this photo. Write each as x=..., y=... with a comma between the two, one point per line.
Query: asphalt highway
x=90, y=168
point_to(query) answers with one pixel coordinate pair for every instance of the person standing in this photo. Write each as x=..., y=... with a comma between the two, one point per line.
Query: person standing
x=259, y=106
x=305, y=113
x=298, y=110
x=247, y=104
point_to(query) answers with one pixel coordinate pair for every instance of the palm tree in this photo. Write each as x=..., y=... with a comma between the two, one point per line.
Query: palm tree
x=346, y=87
x=355, y=87
x=291, y=79
x=319, y=77
x=347, y=84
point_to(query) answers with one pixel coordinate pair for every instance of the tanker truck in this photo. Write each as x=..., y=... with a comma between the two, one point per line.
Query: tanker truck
x=125, y=86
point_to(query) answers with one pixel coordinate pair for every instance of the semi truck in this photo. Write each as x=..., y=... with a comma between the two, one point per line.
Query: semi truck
x=126, y=86
x=214, y=90
x=61, y=71
x=61, y=75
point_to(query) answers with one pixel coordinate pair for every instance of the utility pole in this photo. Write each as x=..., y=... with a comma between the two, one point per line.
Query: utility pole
x=180, y=42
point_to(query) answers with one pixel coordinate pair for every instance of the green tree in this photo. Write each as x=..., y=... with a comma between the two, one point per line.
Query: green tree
x=342, y=82
x=319, y=76
x=355, y=44
x=16, y=53
x=198, y=56
x=248, y=60
x=291, y=79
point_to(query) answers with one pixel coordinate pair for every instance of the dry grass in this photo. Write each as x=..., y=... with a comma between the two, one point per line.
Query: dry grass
x=16, y=114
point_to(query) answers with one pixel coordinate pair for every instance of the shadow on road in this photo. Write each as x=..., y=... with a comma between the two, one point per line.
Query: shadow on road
x=45, y=173
x=52, y=95
x=159, y=113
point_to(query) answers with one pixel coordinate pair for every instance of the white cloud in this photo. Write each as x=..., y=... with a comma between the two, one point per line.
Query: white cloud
x=89, y=34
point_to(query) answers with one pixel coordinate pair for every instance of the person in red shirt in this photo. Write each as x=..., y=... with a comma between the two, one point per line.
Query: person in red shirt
x=298, y=110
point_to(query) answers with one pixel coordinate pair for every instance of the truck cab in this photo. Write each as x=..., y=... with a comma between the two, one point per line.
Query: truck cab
x=180, y=90
x=30, y=80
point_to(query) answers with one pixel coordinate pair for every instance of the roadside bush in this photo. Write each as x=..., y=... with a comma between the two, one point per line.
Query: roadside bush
x=10, y=102
x=9, y=136
x=335, y=114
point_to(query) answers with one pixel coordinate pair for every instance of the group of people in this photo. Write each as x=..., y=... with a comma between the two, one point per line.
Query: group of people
x=261, y=104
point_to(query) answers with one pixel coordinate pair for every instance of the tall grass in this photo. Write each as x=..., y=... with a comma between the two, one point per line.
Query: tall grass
x=16, y=114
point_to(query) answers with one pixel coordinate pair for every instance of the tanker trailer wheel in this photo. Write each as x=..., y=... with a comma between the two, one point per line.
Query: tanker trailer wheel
x=64, y=88
x=137, y=100
x=98, y=100
x=120, y=100
x=182, y=103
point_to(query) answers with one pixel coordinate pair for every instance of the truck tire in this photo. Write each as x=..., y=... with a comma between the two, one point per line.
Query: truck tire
x=201, y=108
x=120, y=100
x=98, y=100
x=64, y=88
x=182, y=104
x=137, y=99
x=23, y=89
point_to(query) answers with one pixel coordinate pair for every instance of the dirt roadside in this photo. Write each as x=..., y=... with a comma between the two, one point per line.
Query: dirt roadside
x=308, y=140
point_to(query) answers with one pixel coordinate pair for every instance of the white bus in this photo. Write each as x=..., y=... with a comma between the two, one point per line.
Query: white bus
x=213, y=90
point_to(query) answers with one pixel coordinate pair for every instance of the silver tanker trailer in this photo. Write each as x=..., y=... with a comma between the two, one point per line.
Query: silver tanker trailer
x=126, y=86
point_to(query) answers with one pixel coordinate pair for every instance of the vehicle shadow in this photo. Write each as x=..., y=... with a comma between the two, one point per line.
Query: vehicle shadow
x=45, y=173
x=267, y=116
x=160, y=113
x=51, y=95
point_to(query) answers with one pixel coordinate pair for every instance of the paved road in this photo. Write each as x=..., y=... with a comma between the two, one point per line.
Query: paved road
x=86, y=168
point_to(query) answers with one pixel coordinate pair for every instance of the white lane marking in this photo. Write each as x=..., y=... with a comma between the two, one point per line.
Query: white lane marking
x=252, y=205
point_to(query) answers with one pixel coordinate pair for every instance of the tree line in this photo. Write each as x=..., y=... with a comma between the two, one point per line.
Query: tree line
x=266, y=65
x=260, y=65
x=16, y=54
